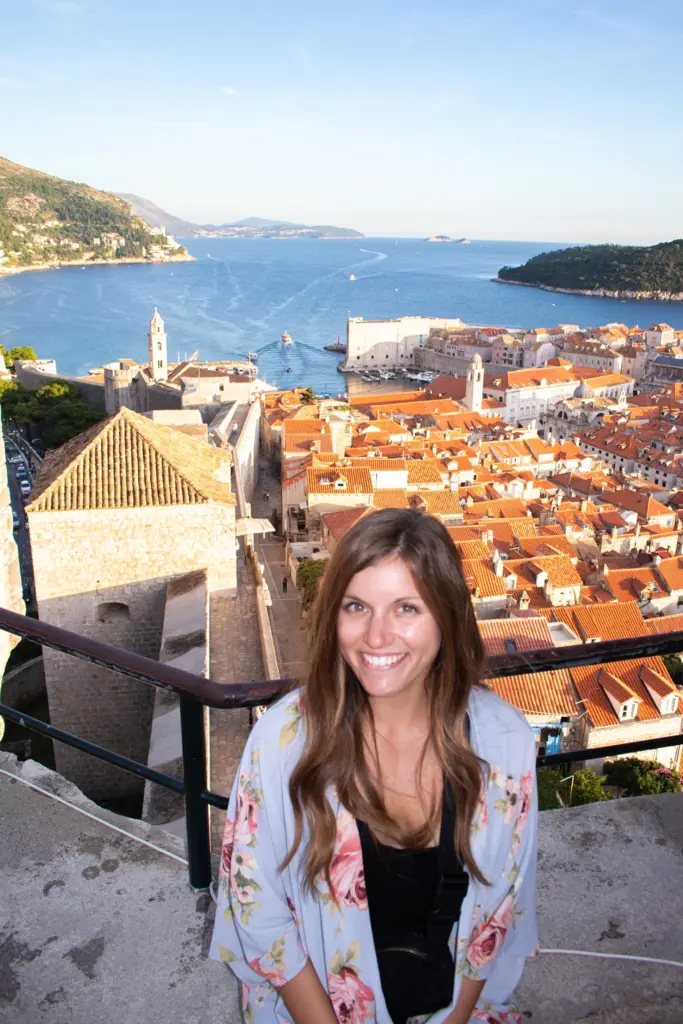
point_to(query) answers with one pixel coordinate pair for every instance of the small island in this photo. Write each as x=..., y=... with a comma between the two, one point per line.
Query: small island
x=447, y=238
x=48, y=222
x=605, y=271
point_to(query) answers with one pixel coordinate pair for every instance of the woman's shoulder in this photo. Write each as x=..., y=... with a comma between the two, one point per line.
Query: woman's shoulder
x=499, y=726
x=280, y=726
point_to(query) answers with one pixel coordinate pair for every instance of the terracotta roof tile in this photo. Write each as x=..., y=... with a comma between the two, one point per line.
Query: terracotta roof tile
x=339, y=523
x=597, y=623
x=671, y=571
x=129, y=461
x=529, y=634
x=424, y=471
x=588, y=679
x=543, y=693
x=472, y=548
x=479, y=574
x=561, y=572
x=665, y=624
x=356, y=481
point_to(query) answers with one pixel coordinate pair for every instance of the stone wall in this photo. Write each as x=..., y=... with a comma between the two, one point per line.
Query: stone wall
x=104, y=574
x=33, y=379
x=247, y=450
x=10, y=575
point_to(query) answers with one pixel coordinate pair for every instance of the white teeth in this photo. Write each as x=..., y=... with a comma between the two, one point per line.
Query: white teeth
x=382, y=661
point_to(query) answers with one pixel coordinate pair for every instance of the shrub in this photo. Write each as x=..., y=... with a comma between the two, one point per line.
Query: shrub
x=309, y=574
x=636, y=777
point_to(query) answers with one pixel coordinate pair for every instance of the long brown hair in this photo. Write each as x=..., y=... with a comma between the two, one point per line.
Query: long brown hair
x=335, y=705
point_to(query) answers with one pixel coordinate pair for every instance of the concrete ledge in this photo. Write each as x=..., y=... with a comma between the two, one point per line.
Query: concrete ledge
x=95, y=926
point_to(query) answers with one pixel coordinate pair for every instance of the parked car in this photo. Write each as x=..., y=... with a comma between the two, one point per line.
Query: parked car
x=24, y=486
x=16, y=521
x=20, y=470
x=14, y=455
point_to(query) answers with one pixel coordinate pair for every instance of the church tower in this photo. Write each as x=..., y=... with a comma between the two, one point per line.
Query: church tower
x=157, y=347
x=474, y=391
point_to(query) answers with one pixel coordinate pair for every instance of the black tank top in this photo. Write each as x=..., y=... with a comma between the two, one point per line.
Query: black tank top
x=414, y=898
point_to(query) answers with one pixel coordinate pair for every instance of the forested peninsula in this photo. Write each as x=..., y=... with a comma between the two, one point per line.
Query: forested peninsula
x=48, y=222
x=614, y=271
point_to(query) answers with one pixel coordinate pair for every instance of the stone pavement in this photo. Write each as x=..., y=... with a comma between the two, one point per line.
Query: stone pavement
x=234, y=657
x=288, y=628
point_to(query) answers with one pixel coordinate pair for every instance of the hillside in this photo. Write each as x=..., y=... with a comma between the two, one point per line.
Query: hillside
x=654, y=271
x=48, y=221
x=250, y=227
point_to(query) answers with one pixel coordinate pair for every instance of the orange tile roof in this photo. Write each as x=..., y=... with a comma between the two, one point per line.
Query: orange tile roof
x=671, y=571
x=501, y=508
x=365, y=401
x=605, y=622
x=129, y=461
x=588, y=681
x=529, y=634
x=530, y=378
x=376, y=464
x=471, y=548
x=643, y=504
x=561, y=572
x=543, y=693
x=628, y=584
x=553, y=545
x=390, y=498
x=665, y=624
x=479, y=573
x=357, y=481
x=441, y=503
x=338, y=523
x=424, y=471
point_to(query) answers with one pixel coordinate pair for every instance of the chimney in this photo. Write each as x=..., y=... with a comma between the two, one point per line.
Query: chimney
x=584, y=505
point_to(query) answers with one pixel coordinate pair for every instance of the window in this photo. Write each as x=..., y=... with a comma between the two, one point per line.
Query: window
x=510, y=646
x=160, y=363
x=113, y=611
x=159, y=346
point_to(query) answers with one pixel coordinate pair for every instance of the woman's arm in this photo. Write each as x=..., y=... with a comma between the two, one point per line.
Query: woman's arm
x=467, y=999
x=307, y=1000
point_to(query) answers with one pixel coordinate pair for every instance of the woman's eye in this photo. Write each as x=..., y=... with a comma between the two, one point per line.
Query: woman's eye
x=353, y=606
x=408, y=608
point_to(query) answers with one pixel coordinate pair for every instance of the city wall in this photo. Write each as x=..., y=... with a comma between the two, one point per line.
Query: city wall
x=247, y=449
x=115, y=592
x=32, y=378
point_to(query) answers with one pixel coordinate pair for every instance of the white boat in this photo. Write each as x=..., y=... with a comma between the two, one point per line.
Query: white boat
x=286, y=338
x=352, y=277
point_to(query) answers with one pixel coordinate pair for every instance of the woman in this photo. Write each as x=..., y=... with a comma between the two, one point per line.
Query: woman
x=379, y=853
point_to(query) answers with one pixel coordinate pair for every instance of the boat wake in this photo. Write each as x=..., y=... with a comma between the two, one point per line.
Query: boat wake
x=325, y=277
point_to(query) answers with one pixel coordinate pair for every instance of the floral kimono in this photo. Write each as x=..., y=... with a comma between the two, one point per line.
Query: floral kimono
x=267, y=926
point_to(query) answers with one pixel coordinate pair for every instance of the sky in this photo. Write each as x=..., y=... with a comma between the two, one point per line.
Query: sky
x=541, y=120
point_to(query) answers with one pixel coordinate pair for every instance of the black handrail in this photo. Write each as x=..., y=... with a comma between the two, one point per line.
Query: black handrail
x=196, y=692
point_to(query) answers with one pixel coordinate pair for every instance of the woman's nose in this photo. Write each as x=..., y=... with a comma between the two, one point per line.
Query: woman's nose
x=378, y=634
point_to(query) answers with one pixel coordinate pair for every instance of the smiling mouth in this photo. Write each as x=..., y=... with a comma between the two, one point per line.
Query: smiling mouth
x=380, y=661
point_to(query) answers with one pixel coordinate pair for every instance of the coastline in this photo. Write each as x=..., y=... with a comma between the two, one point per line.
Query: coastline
x=597, y=293
x=10, y=271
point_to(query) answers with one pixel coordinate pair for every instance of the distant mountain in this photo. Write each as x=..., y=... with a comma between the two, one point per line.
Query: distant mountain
x=47, y=221
x=158, y=218
x=250, y=227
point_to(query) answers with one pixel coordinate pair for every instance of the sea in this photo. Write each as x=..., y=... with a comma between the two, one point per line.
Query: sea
x=241, y=294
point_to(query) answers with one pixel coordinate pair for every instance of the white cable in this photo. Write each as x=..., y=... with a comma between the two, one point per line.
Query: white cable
x=615, y=956
x=101, y=821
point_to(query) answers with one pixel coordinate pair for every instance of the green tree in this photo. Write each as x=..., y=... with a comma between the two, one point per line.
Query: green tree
x=309, y=574
x=558, y=790
x=57, y=410
x=587, y=788
x=18, y=352
x=674, y=667
x=636, y=777
x=308, y=396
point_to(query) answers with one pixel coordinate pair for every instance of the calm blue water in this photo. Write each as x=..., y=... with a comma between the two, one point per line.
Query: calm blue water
x=245, y=293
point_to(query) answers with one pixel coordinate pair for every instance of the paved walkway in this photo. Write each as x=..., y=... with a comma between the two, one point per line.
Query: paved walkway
x=286, y=610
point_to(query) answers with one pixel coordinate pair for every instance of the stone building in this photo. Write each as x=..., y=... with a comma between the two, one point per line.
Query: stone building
x=116, y=514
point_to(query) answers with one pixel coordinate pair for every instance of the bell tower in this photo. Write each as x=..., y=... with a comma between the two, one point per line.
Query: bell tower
x=157, y=347
x=474, y=391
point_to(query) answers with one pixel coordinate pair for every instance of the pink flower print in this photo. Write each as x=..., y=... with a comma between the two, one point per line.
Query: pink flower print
x=512, y=797
x=226, y=849
x=527, y=785
x=352, y=1000
x=486, y=942
x=346, y=868
x=274, y=974
x=290, y=904
x=246, y=822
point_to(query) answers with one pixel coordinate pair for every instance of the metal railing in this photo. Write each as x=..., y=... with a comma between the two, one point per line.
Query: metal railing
x=195, y=693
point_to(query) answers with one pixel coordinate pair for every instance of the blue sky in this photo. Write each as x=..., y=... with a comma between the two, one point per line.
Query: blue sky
x=521, y=119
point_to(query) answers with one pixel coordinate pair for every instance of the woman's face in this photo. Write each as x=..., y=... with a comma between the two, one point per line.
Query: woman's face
x=385, y=631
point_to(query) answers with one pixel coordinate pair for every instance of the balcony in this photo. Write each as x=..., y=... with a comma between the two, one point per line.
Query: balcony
x=99, y=922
